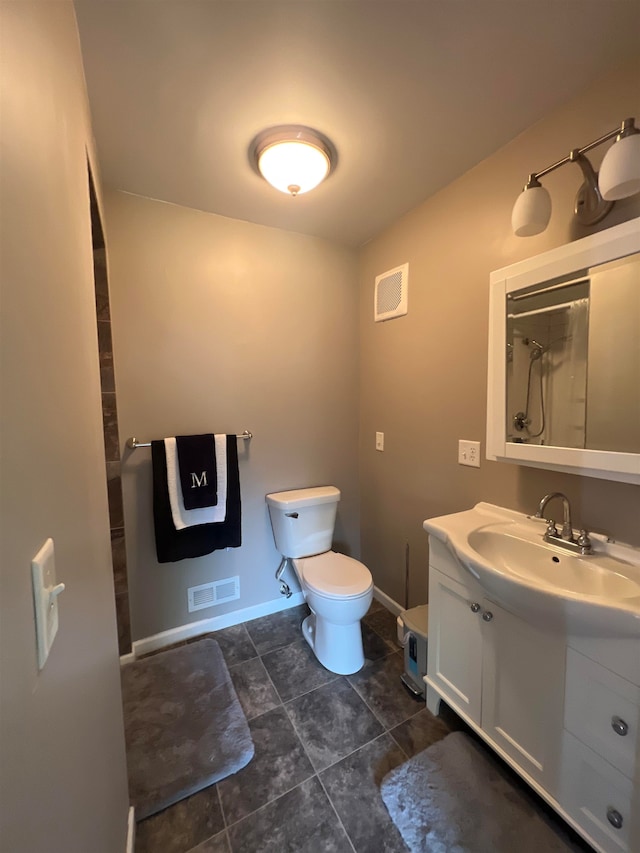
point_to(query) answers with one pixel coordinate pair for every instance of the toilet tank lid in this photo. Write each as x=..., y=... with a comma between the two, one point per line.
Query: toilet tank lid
x=298, y=498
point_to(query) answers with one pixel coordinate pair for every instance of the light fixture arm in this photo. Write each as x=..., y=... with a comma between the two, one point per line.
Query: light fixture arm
x=619, y=177
x=590, y=207
x=626, y=129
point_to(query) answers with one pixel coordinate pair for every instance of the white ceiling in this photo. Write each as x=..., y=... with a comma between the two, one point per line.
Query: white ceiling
x=412, y=94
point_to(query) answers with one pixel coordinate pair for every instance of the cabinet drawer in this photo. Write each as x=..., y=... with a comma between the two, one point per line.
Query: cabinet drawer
x=603, y=711
x=619, y=654
x=596, y=796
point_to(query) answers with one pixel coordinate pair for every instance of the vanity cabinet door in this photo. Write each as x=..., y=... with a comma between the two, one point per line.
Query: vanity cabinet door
x=455, y=644
x=523, y=686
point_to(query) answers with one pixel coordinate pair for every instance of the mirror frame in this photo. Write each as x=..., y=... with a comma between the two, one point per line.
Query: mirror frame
x=573, y=258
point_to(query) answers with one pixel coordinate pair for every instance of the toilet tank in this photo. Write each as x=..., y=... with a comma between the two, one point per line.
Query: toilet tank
x=303, y=520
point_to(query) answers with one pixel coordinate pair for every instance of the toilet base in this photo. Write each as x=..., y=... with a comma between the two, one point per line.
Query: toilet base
x=337, y=647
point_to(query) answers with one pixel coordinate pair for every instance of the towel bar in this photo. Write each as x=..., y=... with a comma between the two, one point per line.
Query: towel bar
x=133, y=442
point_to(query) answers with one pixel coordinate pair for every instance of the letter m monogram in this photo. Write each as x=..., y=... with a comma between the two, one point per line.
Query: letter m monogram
x=197, y=482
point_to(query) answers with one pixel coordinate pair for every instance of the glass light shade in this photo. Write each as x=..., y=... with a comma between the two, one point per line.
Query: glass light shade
x=620, y=170
x=531, y=212
x=293, y=166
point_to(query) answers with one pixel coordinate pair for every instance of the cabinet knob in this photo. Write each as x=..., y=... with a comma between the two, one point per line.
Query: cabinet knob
x=619, y=726
x=487, y=616
x=614, y=817
x=475, y=607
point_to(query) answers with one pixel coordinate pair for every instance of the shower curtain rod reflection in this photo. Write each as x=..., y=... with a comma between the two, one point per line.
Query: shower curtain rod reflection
x=133, y=443
x=549, y=309
x=582, y=279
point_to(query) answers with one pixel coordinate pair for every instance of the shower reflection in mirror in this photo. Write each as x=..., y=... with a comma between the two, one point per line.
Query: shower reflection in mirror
x=547, y=374
x=573, y=360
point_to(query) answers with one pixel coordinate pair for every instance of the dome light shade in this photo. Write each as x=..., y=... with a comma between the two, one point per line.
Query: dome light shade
x=531, y=212
x=294, y=160
x=620, y=170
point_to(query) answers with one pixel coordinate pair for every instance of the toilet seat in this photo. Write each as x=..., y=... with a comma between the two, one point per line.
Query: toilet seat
x=334, y=575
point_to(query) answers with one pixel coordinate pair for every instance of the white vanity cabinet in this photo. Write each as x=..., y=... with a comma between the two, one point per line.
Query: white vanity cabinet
x=599, y=787
x=522, y=685
x=454, y=651
x=499, y=672
x=563, y=711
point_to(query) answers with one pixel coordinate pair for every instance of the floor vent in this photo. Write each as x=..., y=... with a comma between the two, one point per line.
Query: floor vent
x=216, y=592
x=391, y=291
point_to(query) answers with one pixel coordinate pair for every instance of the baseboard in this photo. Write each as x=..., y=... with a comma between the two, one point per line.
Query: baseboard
x=215, y=623
x=131, y=830
x=128, y=658
x=388, y=602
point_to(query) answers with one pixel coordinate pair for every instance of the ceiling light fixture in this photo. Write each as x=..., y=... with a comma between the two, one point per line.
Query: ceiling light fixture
x=292, y=158
x=619, y=178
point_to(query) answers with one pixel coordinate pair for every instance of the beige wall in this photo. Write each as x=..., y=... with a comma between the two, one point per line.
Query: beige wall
x=221, y=325
x=62, y=764
x=423, y=377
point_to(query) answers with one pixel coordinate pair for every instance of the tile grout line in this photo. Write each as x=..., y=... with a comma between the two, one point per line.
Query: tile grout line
x=271, y=682
x=317, y=774
x=382, y=723
x=242, y=662
x=335, y=811
x=282, y=705
x=353, y=751
x=271, y=802
x=255, y=648
x=399, y=745
x=367, y=705
x=268, y=651
x=224, y=819
x=313, y=689
x=280, y=648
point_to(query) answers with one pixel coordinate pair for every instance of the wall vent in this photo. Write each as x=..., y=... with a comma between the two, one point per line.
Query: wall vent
x=216, y=592
x=391, y=292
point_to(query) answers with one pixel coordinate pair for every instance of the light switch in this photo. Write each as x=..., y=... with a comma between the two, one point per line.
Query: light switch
x=379, y=441
x=45, y=597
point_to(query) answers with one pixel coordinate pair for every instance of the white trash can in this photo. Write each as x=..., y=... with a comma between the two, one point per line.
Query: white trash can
x=413, y=629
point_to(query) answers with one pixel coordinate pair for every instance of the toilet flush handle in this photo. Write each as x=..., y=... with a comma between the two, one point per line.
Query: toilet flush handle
x=291, y=514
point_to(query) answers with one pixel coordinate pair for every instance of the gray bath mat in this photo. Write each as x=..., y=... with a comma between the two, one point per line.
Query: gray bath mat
x=184, y=726
x=453, y=798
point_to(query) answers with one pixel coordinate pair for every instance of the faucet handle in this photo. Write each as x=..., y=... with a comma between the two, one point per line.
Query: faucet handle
x=552, y=530
x=584, y=542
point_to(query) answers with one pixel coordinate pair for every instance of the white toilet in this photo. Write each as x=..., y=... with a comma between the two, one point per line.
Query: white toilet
x=337, y=588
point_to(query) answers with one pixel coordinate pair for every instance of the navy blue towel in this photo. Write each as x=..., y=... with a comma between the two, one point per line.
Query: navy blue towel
x=173, y=545
x=197, y=467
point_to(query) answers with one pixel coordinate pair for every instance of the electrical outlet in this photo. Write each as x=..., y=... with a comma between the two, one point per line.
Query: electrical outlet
x=379, y=441
x=469, y=453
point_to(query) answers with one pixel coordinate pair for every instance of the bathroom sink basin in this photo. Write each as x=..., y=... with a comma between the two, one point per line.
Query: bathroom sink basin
x=593, y=595
x=594, y=575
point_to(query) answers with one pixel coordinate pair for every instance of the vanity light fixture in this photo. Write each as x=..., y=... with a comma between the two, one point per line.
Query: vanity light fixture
x=619, y=178
x=292, y=158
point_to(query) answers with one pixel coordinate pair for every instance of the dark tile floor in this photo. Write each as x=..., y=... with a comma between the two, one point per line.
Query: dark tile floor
x=323, y=744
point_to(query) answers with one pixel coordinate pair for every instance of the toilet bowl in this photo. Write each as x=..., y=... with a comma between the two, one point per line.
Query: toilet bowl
x=337, y=588
x=339, y=591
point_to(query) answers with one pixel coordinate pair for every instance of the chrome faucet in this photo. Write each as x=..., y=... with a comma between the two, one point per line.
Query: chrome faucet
x=567, y=528
x=566, y=539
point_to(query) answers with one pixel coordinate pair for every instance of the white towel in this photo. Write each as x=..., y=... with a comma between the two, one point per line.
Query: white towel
x=208, y=515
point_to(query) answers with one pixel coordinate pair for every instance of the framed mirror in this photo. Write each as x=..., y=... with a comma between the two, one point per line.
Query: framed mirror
x=564, y=358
